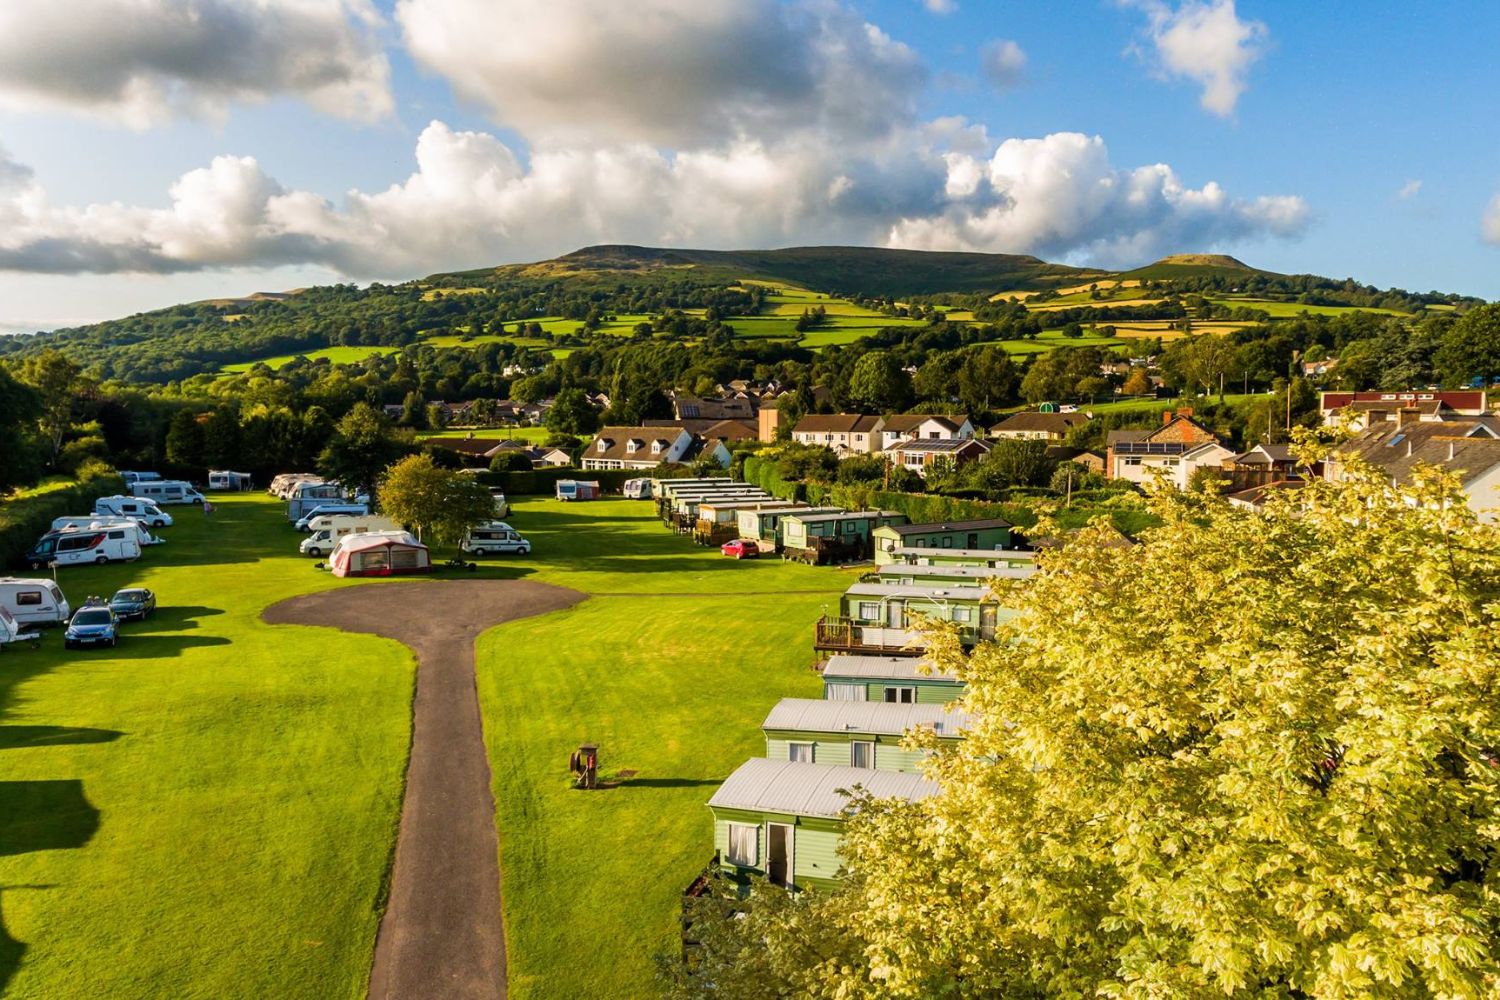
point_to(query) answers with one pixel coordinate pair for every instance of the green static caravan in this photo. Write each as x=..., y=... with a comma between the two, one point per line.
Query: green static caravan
x=991, y=533
x=682, y=514
x=820, y=539
x=718, y=521
x=884, y=618
x=663, y=490
x=937, y=576
x=783, y=819
x=906, y=680
x=912, y=555
x=861, y=734
x=764, y=524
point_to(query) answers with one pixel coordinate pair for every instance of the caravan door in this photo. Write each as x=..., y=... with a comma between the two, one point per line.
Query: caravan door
x=779, y=854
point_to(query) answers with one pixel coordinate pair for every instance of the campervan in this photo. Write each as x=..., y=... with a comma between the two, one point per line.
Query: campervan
x=637, y=489
x=134, y=507
x=163, y=491
x=326, y=531
x=78, y=546
x=304, y=523
x=304, y=496
x=225, y=480
x=494, y=538
x=142, y=536
x=131, y=478
x=34, y=602
x=13, y=631
x=577, y=489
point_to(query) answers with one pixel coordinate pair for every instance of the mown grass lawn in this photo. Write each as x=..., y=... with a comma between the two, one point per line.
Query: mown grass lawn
x=671, y=675
x=207, y=810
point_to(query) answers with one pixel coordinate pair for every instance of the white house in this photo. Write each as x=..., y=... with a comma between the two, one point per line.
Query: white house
x=636, y=447
x=923, y=427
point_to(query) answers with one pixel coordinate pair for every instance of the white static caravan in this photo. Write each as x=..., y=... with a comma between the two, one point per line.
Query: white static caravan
x=223, y=479
x=164, y=491
x=133, y=507
x=34, y=602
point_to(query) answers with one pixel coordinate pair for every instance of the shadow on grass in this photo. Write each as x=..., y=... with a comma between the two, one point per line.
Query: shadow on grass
x=11, y=950
x=665, y=783
x=16, y=737
x=45, y=816
x=152, y=647
x=170, y=618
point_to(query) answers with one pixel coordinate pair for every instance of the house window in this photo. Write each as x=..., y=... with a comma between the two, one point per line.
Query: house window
x=602, y=447
x=862, y=753
x=1132, y=461
x=963, y=614
x=744, y=845
x=801, y=753
x=630, y=447
x=868, y=610
x=901, y=695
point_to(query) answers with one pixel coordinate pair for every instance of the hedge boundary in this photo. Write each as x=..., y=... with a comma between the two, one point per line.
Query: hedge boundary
x=25, y=520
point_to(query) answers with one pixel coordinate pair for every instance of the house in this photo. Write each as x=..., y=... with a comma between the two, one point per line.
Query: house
x=901, y=679
x=846, y=433
x=1035, y=426
x=988, y=533
x=979, y=558
x=820, y=539
x=1469, y=447
x=920, y=455
x=885, y=618
x=1174, y=450
x=636, y=447
x=922, y=427
x=1090, y=460
x=863, y=734
x=763, y=524
x=689, y=407
x=768, y=420
x=1262, y=465
x=480, y=449
x=782, y=819
x=1254, y=498
x=1371, y=408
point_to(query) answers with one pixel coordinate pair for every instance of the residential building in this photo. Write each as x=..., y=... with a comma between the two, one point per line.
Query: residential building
x=1175, y=450
x=1254, y=498
x=846, y=433
x=637, y=447
x=1469, y=447
x=768, y=420
x=922, y=427
x=1035, y=426
x=921, y=454
x=689, y=407
x=1369, y=408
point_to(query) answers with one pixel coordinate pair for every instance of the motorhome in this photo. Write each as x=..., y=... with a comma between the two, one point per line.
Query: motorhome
x=164, y=491
x=142, y=536
x=144, y=511
x=577, y=489
x=304, y=496
x=34, y=602
x=494, y=538
x=637, y=489
x=79, y=546
x=281, y=485
x=326, y=531
x=131, y=478
x=225, y=480
x=304, y=523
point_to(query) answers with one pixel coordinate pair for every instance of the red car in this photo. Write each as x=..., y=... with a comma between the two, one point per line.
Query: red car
x=741, y=548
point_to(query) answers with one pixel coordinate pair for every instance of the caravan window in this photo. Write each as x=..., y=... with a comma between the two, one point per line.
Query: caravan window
x=77, y=543
x=901, y=695
x=800, y=752
x=845, y=692
x=869, y=610
x=862, y=753
x=117, y=534
x=29, y=597
x=744, y=845
x=963, y=614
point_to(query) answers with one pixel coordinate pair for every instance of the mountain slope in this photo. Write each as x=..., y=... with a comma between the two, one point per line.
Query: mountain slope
x=1194, y=265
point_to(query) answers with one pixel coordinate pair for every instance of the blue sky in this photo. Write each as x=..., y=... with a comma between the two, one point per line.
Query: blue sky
x=213, y=147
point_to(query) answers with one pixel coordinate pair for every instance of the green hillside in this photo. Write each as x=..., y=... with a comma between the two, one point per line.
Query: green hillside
x=1193, y=265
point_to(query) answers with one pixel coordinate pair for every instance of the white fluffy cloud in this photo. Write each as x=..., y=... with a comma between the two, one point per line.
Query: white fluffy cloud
x=1208, y=43
x=143, y=62
x=940, y=6
x=1489, y=224
x=1409, y=190
x=1002, y=62
x=1060, y=195
x=669, y=72
x=471, y=202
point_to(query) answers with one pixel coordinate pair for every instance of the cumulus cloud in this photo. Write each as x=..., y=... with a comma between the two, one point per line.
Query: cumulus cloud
x=1208, y=43
x=143, y=62
x=670, y=72
x=471, y=201
x=1489, y=224
x=1002, y=62
x=1409, y=190
x=1060, y=195
x=940, y=6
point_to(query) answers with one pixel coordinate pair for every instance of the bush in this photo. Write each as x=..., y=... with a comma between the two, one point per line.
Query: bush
x=510, y=461
x=25, y=520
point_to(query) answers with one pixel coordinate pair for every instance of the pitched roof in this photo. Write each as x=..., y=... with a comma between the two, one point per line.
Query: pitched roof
x=938, y=445
x=617, y=443
x=813, y=715
x=1397, y=449
x=836, y=423
x=481, y=447
x=798, y=789
x=903, y=422
x=1264, y=454
x=1256, y=495
x=979, y=525
x=1031, y=420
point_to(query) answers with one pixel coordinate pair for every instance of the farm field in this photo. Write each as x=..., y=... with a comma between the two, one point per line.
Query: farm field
x=531, y=435
x=336, y=355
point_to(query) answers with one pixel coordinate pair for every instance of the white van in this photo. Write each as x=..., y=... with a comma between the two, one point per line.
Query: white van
x=326, y=531
x=142, y=536
x=226, y=480
x=134, y=507
x=163, y=491
x=79, y=546
x=304, y=523
x=131, y=478
x=34, y=602
x=495, y=538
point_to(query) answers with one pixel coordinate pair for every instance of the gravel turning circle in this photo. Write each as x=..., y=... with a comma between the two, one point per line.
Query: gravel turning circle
x=441, y=935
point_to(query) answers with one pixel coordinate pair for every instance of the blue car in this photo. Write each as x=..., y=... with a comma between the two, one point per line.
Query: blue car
x=133, y=602
x=92, y=625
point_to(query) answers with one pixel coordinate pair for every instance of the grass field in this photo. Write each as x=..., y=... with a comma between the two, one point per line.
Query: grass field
x=335, y=355
x=208, y=809
x=531, y=435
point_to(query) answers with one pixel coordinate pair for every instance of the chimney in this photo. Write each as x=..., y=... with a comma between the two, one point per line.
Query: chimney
x=1166, y=417
x=1408, y=447
x=1450, y=451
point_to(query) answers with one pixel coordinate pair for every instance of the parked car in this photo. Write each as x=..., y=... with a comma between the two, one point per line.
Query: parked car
x=741, y=548
x=496, y=538
x=132, y=602
x=92, y=625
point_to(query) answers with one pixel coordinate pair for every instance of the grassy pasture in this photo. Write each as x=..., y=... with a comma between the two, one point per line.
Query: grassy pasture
x=1286, y=310
x=335, y=355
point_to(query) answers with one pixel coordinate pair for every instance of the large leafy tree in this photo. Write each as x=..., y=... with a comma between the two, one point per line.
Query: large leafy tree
x=1258, y=755
x=437, y=503
x=1470, y=348
x=572, y=413
x=878, y=383
x=59, y=385
x=362, y=446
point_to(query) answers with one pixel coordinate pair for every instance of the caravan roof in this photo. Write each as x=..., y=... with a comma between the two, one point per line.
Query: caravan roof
x=798, y=789
x=843, y=666
x=956, y=592
x=813, y=715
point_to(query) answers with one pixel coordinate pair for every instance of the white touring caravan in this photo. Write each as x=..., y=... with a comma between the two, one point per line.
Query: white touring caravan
x=142, y=536
x=34, y=602
x=134, y=507
x=326, y=531
x=223, y=479
x=283, y=483
x=637, y=489
x=12, y=631
x=164, y=491
x=79, y=546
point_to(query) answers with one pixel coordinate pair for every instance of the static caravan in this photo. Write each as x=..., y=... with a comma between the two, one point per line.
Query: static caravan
x=941, y=575
x=87, y=546
x=165, y=491
x=764, y=524
x=992, y=558
x=223, y=479
x=991, y=533
x=903, y=680
x=142, y=536
x=141, y=510
x=326, y=531
x=682, y=509
x=820, y=539
x=884, y=618
x=304, y=497
x=379, y=553
x=719, y=522
x=34, y=602
x=664, y=490
x=578, y=489
x=863, y=734
x=783, y=819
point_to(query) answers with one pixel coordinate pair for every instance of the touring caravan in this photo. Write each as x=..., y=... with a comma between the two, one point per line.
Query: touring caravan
x=379, y=553
x=163, y=491
x=34, y=602
x=637, y=489
x=12, y=631
x=131, y=478
x=78, y=546
x=142, y=536
x=226, y=480
x=577, y=489
x=326, y=531
x=133, y=507
x=283, y=484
